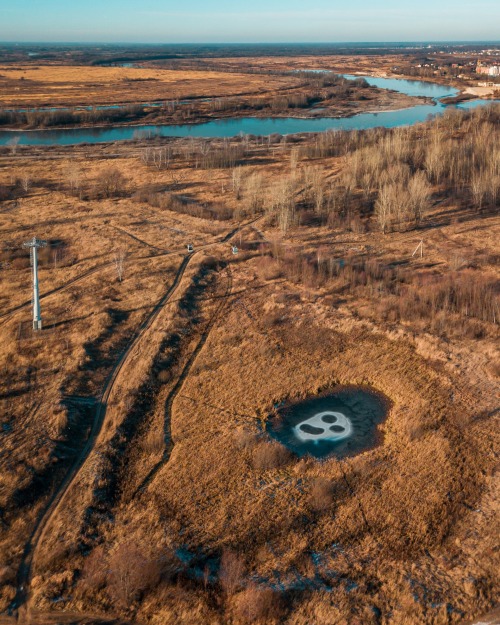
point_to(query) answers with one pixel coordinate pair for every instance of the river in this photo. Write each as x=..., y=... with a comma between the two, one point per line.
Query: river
x=261, y=126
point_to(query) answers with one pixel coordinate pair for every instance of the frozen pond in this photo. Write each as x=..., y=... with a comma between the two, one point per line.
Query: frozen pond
x=339, y=423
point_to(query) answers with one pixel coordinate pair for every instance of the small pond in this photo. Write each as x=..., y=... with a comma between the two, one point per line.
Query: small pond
x=341, y=423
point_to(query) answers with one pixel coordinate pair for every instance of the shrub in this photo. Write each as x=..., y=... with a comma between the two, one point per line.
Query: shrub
x=255, y=603
x=110, y=183
x=270, y=456
x=321, y=495
x=131, y=573
x=243, y=438
x=232, y=569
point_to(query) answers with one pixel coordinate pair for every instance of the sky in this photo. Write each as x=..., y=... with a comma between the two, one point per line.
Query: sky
x=249, y=21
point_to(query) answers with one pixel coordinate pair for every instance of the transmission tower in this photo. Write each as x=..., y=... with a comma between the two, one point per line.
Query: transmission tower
x=34, y=244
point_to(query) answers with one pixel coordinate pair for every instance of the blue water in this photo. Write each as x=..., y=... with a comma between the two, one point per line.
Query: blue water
x=258, y=126
x=417, y=88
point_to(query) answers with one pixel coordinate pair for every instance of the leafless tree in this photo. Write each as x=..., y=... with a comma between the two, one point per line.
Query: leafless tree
x=231, y=572
x=26, y=181
x=479, y=189
x=131, y=573
x=75, y=176
x=419, y=193
x=236, y=179
x=119, y=258
x=157, y=157
x=13, y=143
x=384, y=206
x=254, y=193
x=256, y=603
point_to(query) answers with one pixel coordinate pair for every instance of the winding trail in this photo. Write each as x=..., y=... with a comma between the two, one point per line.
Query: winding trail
x=178, y=387
x=53, y=505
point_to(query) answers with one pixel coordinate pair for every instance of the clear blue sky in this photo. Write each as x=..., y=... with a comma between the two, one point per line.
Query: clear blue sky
x=186, y=21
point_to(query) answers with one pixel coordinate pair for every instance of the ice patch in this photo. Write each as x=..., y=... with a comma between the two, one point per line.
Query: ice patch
x=324, y=426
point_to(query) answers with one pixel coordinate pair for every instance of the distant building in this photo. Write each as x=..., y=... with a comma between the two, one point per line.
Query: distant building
x=488, y=70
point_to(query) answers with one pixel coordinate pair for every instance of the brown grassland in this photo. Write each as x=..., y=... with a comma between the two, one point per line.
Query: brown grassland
x=53, y=96
x=51, y=85
x=182, y=510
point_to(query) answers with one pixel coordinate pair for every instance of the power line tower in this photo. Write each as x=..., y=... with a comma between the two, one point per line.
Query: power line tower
x=34, y=244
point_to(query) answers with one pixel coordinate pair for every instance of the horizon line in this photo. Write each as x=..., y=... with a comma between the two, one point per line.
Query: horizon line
x=236, y=43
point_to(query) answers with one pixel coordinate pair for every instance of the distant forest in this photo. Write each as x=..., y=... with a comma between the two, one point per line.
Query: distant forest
x=109, y=54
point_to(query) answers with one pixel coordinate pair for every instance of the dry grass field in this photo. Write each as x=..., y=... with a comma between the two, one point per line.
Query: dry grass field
x=155, y=95
x=49, y=85
x=341, y=64
x=157, y=371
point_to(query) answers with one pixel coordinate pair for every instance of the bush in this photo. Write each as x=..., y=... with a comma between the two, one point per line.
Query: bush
x=321, y=495
x=131, y=573
x=181, y=204
x=110, y=183
x=244, y=439
x=232, y=569
x=270, y=456
x=256, y=603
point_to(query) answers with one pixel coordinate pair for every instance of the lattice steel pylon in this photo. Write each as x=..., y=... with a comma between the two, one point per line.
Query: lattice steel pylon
x=34, y=244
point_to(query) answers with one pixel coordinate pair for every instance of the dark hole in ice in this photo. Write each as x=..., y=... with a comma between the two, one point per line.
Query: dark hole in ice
x=363, y=408
x=336, y=428
x=310, y=429
x=329, y=418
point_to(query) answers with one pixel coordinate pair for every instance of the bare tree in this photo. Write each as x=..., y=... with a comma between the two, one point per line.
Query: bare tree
x=13, y=143
x=253, y=193
x=419, y=193
x=26, y=181
x=282, y=202
x=384, y=207
x=236, y=178
x=119, y=258
x=131, y=573
x=256, y=603
x=231, y=571
x=74, y=176
x=157, y=157
x=479, y=189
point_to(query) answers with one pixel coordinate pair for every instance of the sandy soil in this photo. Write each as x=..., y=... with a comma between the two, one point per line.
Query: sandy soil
x=482, y=92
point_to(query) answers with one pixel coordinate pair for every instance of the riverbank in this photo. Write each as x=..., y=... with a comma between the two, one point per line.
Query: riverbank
x=314, y=95
x=381, y=102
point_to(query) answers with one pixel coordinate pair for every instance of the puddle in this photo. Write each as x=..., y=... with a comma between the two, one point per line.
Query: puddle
x=341, y=423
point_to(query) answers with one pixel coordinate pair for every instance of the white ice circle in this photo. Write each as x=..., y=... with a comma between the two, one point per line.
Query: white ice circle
x=336, y=431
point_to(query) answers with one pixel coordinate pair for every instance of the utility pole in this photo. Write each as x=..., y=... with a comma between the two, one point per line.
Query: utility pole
x=34, y=244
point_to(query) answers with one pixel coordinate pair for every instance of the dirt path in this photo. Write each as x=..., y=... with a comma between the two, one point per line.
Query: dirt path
x=54, y=503
x=50, y=510
x=178, y=387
